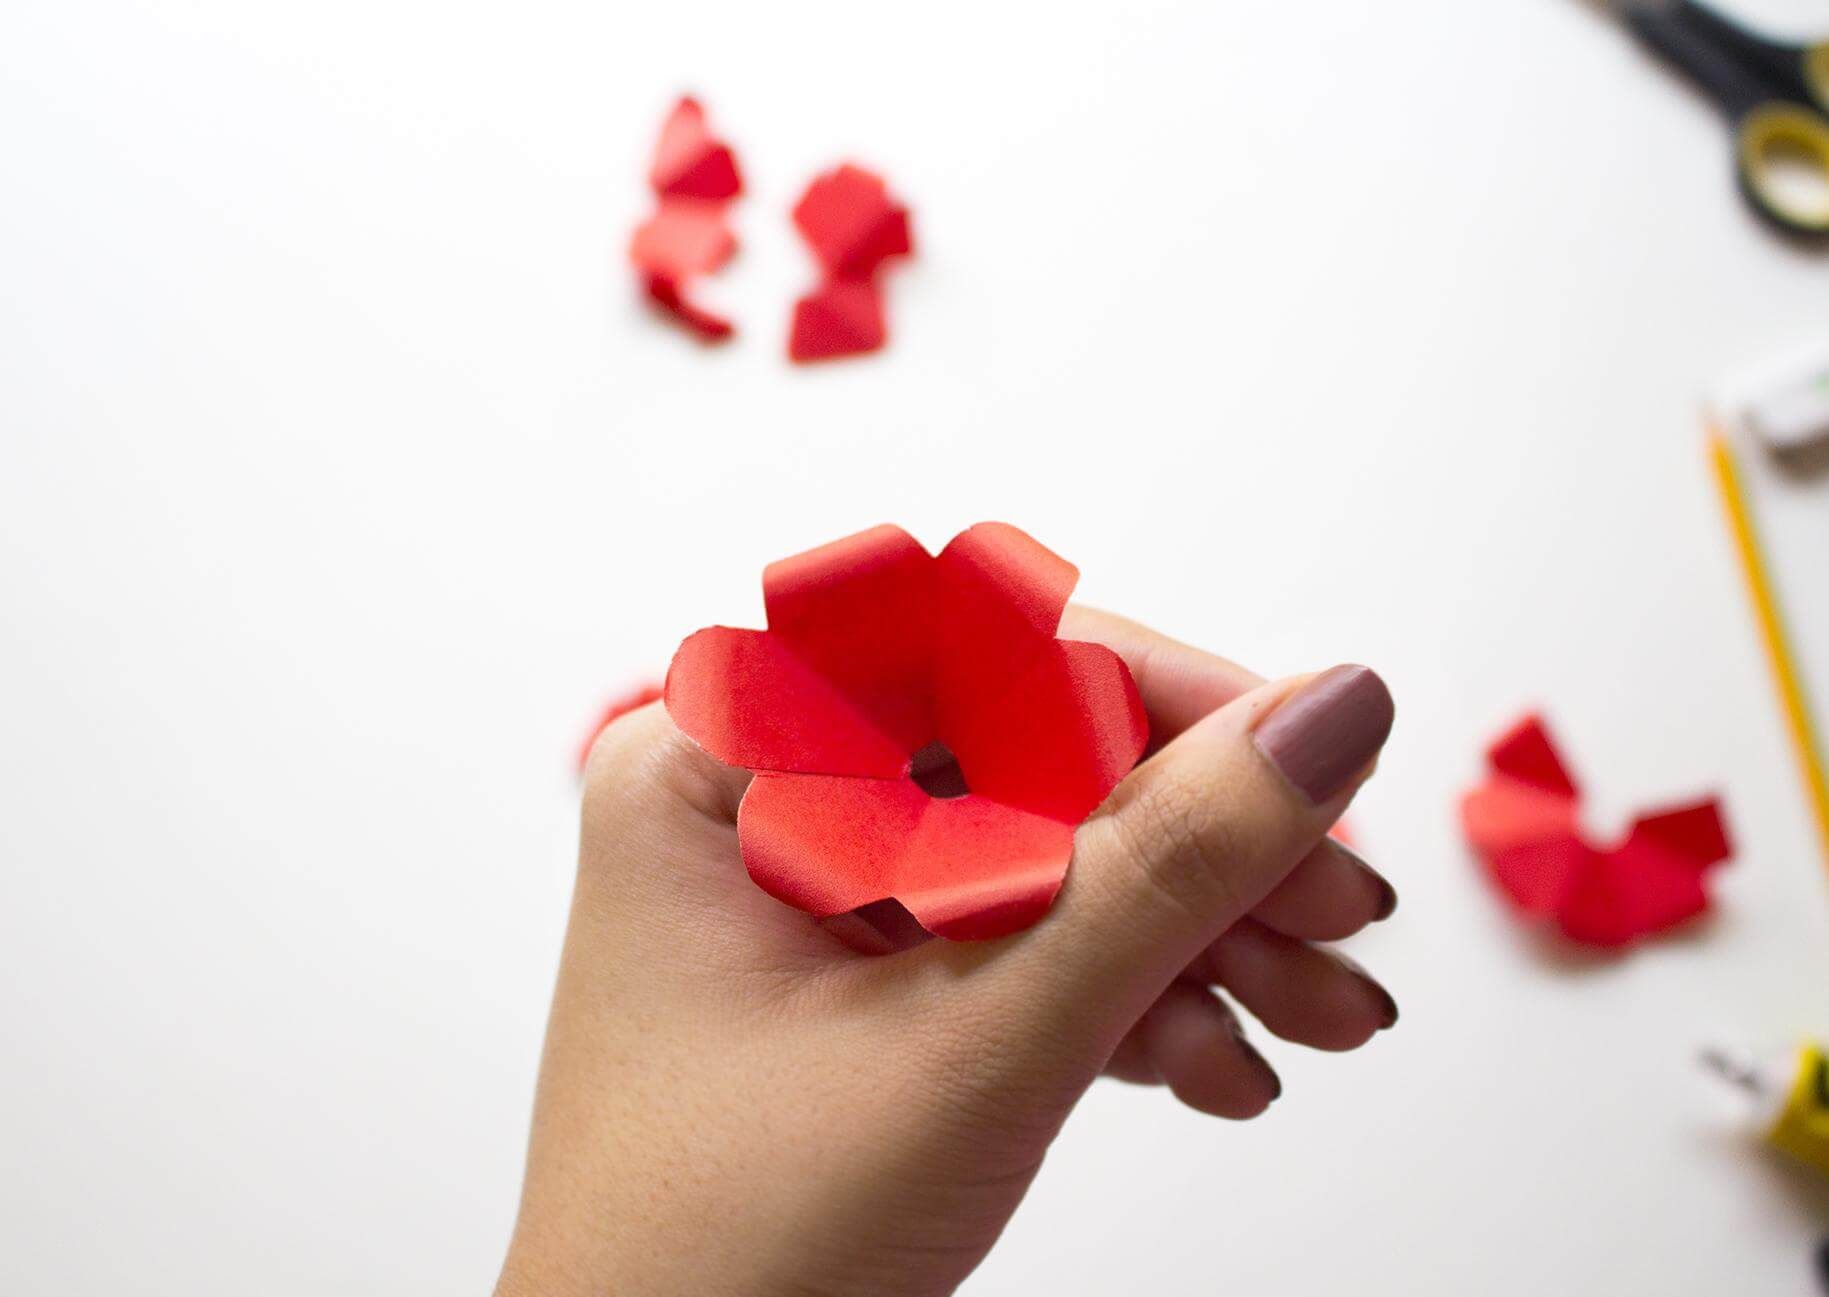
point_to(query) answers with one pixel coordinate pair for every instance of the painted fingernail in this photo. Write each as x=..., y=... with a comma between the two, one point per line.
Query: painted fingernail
x=1328, y=730
x=1263, y=1065
x=1276, y=1082
x=1387, y=1007
x=1386, y=904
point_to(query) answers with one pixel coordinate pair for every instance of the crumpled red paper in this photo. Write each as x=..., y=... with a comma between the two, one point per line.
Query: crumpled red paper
x=1524, y=825
x=876, y=651
x=617, y=707
x=694, y=176
x=853, y=227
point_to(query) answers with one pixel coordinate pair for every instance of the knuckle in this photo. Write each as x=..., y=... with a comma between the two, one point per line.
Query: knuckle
x=622, y=750
x=643, y=764
x=1182, y=846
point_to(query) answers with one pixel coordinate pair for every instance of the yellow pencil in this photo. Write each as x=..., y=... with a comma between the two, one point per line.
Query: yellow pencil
x=1790, y=683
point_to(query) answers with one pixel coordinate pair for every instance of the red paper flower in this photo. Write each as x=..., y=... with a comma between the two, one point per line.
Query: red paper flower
x=1524, y=825
x=875, y=651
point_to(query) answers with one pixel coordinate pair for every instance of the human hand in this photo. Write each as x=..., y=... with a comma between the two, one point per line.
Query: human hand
x=734, y=1100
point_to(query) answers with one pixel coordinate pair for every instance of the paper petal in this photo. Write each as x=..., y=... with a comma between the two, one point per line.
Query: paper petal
x=851, y=223
x=860, y=610
x=1002, y=580
x=749, y=700
x=1537, y=876
x=945, y=882
x=1695, y=834
x=667, y=294
x=842, y=317
x=1526, y=753
x=682, y=239
x=1630, y=894
x=1000, y=602
x=689, y=162
x=1504, y=813
x=1057, y=741
x=827, y=845
x=967, y=869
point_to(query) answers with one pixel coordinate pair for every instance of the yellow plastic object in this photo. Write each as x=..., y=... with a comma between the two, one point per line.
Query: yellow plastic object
x=1801, y=1128
x=1816, y=72
x=1785, y=673
x=1777, y=138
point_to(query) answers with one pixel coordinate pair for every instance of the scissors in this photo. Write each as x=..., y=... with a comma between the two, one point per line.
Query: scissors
x=1775, y=96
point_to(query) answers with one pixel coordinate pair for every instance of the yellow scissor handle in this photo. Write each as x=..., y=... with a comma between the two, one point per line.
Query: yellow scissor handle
x=1784, y=161
x=1816, y=73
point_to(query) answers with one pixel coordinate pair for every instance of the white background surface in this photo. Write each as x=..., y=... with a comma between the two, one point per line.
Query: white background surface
x=341, y=478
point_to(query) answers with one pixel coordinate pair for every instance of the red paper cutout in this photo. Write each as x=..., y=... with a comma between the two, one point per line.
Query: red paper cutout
x=689, y=162
x=842, y=317
x=876, y=650
x=694, y=176
x=622, y=705
x=1524, y=824
x=665, y=293
x=853, y=227
x=851, y=223
x=685, y=237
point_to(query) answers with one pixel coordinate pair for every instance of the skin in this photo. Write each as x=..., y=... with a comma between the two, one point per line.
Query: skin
x=733, y=1100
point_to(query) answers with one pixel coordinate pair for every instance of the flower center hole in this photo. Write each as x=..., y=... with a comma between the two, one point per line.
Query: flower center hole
x=936, y=772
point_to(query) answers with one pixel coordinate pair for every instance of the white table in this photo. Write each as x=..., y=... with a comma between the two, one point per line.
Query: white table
x=342, y=477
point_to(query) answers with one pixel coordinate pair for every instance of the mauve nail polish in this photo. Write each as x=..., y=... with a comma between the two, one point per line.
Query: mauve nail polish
x=1387, y=894
x=1328, y=730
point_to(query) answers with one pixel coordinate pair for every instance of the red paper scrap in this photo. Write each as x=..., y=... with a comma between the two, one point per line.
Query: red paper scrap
x=887, y=671
x=694, y=176
x=689, y=162
x=851, y=223
x=620, y=706
x=665, y=293
x=842, y=317
x=853, y=227
x=1524, y=824
x=685, y=237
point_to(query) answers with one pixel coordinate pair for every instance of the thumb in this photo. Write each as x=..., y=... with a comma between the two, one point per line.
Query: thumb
x=1198, y=835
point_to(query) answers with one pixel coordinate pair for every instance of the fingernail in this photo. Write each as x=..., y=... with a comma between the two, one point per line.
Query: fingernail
x=1276, y=1082
x=1325, y=733
x=1387, y=1007
x=1387, y=895
x=1263, y=1064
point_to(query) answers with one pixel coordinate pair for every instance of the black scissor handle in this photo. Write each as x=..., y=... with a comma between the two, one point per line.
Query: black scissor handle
x=1677, y=32
x=1798, y=72
x=1781, y=146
